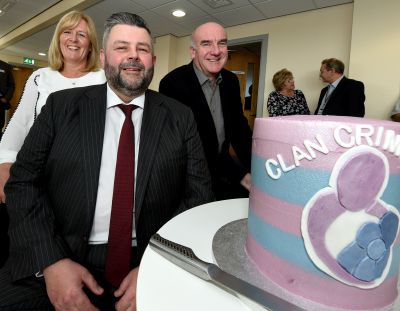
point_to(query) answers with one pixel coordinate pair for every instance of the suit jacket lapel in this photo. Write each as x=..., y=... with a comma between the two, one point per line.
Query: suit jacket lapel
x=152, y=125
x=199, y=102
x=338, y=89
x=92, y=121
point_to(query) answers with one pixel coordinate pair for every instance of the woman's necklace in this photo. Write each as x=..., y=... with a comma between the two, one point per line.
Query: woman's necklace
x=73, y=77
x=287, y=93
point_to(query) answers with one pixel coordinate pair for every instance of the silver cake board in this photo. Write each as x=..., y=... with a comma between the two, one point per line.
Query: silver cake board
x=229, y=253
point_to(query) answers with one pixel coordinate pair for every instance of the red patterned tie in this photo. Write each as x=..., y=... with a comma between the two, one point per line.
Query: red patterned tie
x=120, y=234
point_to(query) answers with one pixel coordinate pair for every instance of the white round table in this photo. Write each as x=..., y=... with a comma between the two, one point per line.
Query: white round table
x=164, y=286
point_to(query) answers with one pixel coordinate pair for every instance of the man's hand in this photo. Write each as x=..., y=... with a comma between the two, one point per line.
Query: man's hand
x=246, y=181
x=64, y=282
x=127, y=292
x=4, y=175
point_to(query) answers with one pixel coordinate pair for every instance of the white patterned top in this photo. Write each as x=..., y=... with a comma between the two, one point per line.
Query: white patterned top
x=281, y=105
x=38, y=87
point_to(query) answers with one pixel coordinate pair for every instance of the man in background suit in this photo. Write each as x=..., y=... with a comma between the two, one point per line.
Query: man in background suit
x=342, y=96
x=7, y=87
x=60, y=189
x=213, y=94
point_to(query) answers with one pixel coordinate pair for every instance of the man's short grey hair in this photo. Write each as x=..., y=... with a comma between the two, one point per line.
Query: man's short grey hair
x=123, y=18
x=193, y=43
x=334, y=63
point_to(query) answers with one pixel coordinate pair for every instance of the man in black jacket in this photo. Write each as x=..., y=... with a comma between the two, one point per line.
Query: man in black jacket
x=342, y=96
x=7, y=87
x=213, y=94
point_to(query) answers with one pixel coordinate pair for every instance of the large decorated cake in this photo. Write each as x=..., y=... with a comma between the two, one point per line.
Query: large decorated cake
x=323, y=219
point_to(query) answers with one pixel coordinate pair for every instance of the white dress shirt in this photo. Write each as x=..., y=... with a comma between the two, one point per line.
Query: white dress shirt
x=114, y=121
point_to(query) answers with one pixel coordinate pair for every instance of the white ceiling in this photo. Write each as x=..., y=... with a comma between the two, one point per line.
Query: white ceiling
x=157, y=13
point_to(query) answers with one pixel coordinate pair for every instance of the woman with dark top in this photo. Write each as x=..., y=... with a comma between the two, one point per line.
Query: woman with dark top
x=285, y=100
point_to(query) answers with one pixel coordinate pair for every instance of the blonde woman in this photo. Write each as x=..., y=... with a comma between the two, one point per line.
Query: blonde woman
x=74, y=62
x=286, y=100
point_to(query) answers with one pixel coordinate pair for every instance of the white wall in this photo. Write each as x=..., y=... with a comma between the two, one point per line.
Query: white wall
x=375, y=53
x=365, y=35
x=171, y=52
x=164, y=49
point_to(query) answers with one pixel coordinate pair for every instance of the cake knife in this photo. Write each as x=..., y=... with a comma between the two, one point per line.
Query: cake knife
x=185, y=258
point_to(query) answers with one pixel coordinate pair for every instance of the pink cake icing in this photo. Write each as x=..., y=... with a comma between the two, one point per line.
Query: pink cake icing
x=324, y=209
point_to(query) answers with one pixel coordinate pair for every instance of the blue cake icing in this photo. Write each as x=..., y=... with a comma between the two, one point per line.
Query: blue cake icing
x=366, y=258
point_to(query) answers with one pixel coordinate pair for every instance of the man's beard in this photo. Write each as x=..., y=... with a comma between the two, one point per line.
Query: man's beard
x=128, y=87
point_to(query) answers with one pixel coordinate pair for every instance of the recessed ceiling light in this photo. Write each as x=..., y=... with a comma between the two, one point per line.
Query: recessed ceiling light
x=178, y=13
x=42, y=54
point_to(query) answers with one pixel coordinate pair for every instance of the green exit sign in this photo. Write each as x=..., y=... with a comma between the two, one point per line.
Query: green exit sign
x=29, y=61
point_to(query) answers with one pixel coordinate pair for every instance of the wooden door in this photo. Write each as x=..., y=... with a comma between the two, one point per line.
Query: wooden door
x=245, y=63
x=20, y=74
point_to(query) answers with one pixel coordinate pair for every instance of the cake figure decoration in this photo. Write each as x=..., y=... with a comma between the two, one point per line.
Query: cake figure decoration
x=352, y=203
x=367, y=257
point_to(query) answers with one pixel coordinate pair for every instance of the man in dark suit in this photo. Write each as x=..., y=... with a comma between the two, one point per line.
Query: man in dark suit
x=213, y=94
x=342, y=96
x=7, y=87
x=60, y=195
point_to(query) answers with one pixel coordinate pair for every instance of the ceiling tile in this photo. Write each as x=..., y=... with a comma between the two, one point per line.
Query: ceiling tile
x=284, y=7
x=234, y=4
x=151, y=4
x=192, y=12
x=159, y=24
x=192, y=24
x=258, y=1
x=105, y=8
x=20, y=12
x=326, y=3
x=239, y=16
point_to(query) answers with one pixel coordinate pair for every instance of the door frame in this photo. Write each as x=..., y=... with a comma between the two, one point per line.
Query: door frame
x=263, y=39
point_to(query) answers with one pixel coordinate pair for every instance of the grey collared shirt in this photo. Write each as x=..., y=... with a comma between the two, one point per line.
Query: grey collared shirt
x=211, y=92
